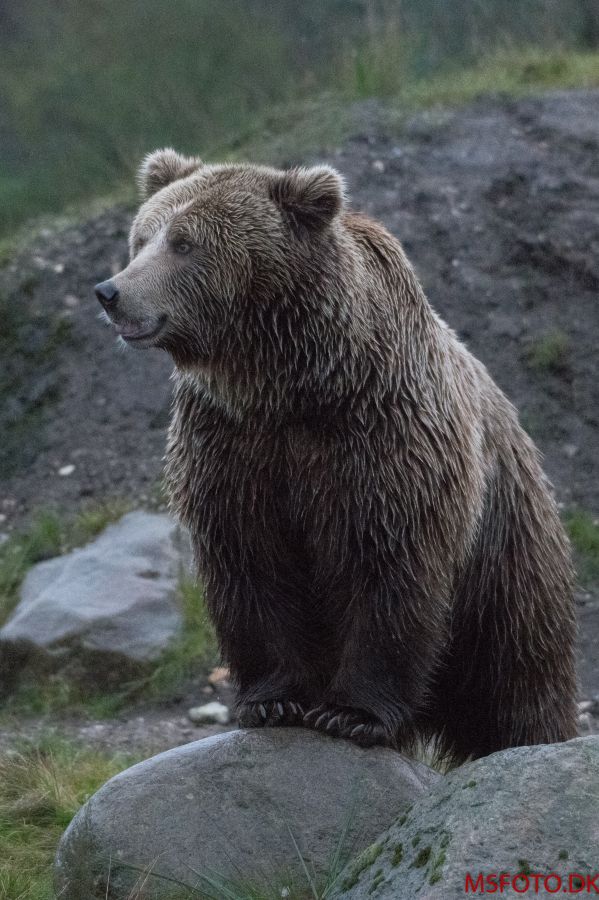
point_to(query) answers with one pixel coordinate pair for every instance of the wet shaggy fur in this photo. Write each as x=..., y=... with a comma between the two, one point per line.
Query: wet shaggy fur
x=380, y=550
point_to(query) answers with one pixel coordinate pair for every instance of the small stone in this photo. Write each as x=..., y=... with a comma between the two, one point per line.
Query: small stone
x=585, y=723
x=218, y=675
x=66, y=470
x=585, y=706
x=58, y=268
x=570, y=450
x=209, y=713
x=71, y=301
x=378, y=165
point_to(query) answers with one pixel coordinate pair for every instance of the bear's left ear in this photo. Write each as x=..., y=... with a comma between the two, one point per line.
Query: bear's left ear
x=309, y=197
x=162, y=167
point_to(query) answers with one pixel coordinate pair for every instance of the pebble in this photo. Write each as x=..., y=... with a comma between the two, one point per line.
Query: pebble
x=585, y=723
x=218, y=675
x=66, y=470
x=209, y=713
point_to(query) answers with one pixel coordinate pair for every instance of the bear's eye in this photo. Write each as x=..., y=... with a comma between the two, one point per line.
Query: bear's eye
x=182, y=247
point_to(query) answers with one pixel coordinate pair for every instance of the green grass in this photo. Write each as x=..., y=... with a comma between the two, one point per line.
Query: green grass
x=194, y=652
x=291, y=131
x=583, y=531
x=292, y=126
x=88, y=88
x=550, y=353
x=41, y=788
x=514, y=72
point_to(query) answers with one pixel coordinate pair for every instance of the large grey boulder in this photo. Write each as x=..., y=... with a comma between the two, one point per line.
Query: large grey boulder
x=262, y=805
x=530, y=810
x=109, y=606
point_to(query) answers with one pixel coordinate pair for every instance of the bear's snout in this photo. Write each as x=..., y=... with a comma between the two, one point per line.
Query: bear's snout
x=107, y=293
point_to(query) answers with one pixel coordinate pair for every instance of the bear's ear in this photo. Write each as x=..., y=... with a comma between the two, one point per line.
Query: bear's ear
x=309, y=197
x=162, y=167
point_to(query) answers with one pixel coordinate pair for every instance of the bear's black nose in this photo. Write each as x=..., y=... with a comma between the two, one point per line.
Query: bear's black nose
x=107, y=292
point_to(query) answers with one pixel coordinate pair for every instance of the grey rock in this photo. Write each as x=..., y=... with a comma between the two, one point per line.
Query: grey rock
x=113, y=600
x=239, y=806
x=527, y=810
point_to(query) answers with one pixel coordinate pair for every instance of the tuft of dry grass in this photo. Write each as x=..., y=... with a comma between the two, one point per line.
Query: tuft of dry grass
x=41, y=788
x=44, y=784
x=550, y=352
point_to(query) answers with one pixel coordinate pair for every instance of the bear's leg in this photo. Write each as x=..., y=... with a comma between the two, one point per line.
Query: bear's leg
x=261, y=622
x=388, y=649
x=508, y=675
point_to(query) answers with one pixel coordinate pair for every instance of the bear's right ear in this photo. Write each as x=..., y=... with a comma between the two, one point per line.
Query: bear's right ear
x=162, y=167
x=310, y=198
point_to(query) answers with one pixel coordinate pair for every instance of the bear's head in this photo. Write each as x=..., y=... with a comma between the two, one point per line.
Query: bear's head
x=215, y=245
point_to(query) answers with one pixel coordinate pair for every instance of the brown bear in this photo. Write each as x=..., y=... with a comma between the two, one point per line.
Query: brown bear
x=380, y=550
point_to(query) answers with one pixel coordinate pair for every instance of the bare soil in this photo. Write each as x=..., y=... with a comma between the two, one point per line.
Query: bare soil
x=497, y=205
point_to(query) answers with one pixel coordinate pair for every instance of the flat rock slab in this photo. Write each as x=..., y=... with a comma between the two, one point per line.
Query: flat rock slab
x=114, y=600
x=530, y=810
x=244, y=806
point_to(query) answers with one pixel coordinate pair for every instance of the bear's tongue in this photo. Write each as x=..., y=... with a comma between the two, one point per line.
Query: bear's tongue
x=132, y=329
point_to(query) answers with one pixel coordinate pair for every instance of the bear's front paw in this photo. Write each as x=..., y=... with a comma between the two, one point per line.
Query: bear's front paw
x=357, y=725
x=270, y=712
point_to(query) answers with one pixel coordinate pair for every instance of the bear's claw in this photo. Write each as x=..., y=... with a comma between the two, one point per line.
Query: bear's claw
x=343, y=721
x=270, y=712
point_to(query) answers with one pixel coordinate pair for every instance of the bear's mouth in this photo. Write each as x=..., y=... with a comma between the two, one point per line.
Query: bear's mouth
x=147, y=330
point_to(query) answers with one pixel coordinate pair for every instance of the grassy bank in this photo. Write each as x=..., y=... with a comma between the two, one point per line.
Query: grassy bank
x=88, y=88
x=293, y=131
x=290, y=131
x=41, y=788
